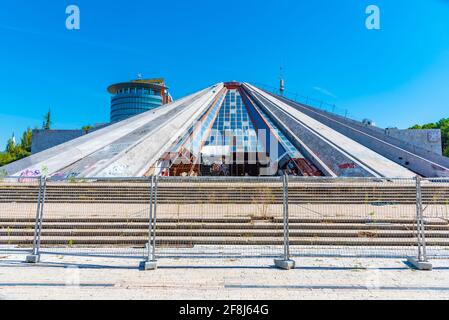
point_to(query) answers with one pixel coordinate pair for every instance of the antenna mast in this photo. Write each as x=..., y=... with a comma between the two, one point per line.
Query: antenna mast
x=281, y=82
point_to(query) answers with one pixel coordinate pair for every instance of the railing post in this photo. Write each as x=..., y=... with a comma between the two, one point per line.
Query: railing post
x=35, y=256
x=150, y=263
x=286, y=222
x=421, y=262
x=285, y=263
x=153, y=247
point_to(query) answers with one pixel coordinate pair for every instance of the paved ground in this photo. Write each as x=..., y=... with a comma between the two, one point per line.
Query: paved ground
x=74, y=277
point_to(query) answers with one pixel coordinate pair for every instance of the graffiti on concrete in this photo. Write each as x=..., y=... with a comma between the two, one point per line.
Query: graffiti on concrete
x=347, y=166
x=58, y=176
x=117, y=170
x=29, y=174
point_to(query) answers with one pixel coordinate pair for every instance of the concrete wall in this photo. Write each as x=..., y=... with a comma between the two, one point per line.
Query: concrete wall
x=429, y=139
x=46, y=139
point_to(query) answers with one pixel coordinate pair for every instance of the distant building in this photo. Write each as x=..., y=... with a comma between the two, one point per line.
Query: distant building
x=45, y=139
x=129, y=99
x=137, y=96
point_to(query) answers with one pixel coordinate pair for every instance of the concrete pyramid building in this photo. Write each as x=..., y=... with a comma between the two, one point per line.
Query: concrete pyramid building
x=234, y=129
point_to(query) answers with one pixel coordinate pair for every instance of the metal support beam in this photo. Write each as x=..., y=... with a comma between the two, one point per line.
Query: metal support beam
x=34, y=257
x=285, y=263
x=151, y=263
x=420, y=263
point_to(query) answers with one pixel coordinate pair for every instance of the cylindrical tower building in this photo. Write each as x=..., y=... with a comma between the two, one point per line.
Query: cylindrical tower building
x=137, y=96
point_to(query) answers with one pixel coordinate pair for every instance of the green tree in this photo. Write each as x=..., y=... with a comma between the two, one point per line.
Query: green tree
x=87, y=128
x=5, y=158
x=25, y=142
x=16, y=151
x=47, y=121
x=11, y=146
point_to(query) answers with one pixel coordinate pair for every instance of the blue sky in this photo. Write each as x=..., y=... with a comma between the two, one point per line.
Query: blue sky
x=397, y=76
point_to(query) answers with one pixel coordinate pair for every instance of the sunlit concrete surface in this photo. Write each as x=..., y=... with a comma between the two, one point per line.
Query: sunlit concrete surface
x=75, y=277
x=371, y=161
x=96, y=152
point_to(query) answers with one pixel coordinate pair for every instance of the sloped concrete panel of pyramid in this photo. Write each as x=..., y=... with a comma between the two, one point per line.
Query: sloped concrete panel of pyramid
x=379, y=153
x=331, y=143
x=110, y=151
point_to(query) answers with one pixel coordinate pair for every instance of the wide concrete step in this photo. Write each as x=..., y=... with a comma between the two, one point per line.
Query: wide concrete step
x=237, y=233
x=245, y=189
x=236, y=202
x=350, y=219
x=230, y=191
x=237, y=198
x=368, y=193
x=226, y=184
x=224, y=226
x=233, y=190
x=176, y=242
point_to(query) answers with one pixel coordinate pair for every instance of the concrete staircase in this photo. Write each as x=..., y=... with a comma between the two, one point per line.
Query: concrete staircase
x=190, y=232
x=342, y=230
x=310, y=193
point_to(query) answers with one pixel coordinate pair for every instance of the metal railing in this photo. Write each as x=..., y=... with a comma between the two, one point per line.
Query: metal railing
x=433, y=211
x=312, y=102
x=281, y=217
x=217, y=216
